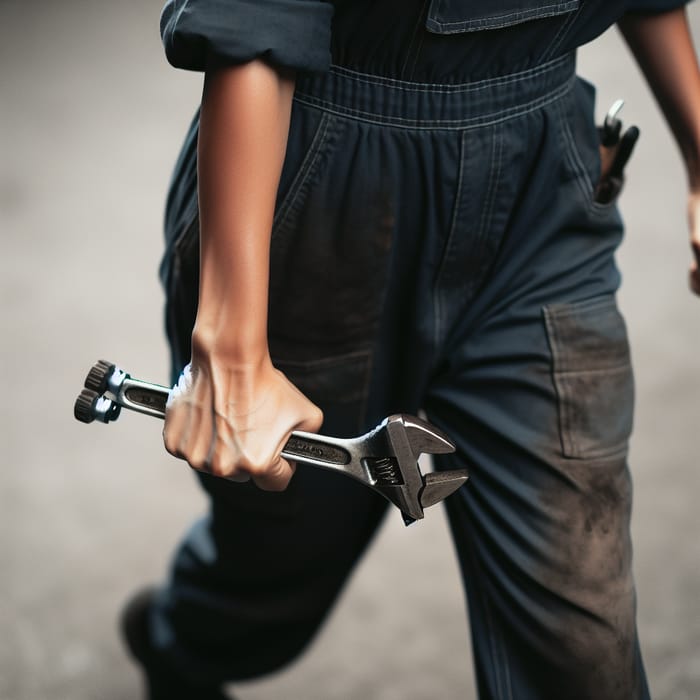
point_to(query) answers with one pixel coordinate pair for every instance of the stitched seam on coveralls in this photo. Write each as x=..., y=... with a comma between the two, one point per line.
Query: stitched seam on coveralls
x=565, y=439
x=438, y=305
x=490, y=199
x=305, y=170
x=562, y=33
x=582, y=178
x=413, y=36
x=485, y=83
x=444, y=124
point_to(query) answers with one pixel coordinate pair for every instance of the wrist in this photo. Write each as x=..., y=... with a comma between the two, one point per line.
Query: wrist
x=231, y=320
x=237, y=345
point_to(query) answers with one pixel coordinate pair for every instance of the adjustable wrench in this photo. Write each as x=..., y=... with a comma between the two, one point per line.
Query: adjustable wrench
x=384, y=459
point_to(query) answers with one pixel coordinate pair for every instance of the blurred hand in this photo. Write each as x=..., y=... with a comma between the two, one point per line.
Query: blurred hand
x=233, y=421
x=694, y=225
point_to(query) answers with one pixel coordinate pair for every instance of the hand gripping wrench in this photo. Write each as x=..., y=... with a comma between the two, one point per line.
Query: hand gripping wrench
x=384, y=459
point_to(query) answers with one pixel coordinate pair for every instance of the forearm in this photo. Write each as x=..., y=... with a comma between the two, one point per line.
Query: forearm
x=663, y=48
x=242, y=141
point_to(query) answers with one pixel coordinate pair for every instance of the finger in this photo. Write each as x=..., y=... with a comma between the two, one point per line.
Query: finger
x=175, y=422
x=277, y=477
x=225, y=452
x=313, y=421
x=201, y=429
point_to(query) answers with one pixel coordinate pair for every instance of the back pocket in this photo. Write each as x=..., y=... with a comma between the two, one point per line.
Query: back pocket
x=457, y=16
x=592, y=376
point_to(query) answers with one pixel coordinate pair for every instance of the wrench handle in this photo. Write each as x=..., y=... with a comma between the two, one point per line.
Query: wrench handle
x=143, y=397
x=151, y=399
x=319, y=453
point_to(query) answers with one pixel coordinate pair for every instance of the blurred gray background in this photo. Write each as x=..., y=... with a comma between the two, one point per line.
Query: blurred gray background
x=91, y=118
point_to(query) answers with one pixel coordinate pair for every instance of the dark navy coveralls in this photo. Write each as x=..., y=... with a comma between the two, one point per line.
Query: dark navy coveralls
x=436, y=246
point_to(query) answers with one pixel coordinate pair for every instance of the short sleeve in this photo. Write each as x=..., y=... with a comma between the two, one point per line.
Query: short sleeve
x=201, y=34
x=654, y=6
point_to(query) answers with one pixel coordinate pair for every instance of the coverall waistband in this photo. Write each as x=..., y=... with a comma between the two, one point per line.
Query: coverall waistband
x=403, y=104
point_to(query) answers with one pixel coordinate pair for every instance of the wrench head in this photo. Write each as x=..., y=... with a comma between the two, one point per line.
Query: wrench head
x=408, y=437
x=423, y=437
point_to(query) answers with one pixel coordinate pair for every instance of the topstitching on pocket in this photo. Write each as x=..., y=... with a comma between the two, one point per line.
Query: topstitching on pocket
x=330, y=248
x=456, y=16
x=301, y=174
x=181, y=287
x=581, y=145
x=592, y=375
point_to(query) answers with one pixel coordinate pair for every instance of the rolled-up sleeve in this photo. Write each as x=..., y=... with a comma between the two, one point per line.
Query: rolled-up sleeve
x=655, y=6
x=203, y=34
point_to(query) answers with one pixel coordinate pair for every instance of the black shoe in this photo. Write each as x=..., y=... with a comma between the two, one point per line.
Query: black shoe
x=161, y=682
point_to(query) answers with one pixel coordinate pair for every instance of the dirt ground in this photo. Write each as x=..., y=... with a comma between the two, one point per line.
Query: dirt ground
x=91, y=120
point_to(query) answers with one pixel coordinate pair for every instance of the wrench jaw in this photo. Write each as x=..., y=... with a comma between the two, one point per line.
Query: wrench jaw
x=408, y=437
x=423, y=437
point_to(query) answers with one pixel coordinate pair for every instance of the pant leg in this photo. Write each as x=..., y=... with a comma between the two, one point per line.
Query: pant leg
x=543, y=539
x=535, y=385
x=253, y=580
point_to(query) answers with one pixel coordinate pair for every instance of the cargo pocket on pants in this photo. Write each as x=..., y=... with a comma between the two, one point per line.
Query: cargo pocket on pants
x=593, y=378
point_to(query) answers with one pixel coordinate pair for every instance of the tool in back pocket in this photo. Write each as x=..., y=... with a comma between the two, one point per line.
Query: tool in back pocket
x=615, y=150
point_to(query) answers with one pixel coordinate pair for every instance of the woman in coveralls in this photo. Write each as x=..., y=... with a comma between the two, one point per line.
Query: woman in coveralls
x=435, y=245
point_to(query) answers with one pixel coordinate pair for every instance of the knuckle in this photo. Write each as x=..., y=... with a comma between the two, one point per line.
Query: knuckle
x=198, y=463
x=220, y=467
x=218, y=472
x=317, y=418
x=172, y=444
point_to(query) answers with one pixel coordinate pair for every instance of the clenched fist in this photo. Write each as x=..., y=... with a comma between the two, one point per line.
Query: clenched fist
x=233, y=421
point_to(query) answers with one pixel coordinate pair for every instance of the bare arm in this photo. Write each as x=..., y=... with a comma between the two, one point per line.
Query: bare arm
x=242, y=141
x=663, y=48
x=233, y=411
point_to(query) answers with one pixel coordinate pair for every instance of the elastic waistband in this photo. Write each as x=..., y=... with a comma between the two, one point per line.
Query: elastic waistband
x=376, y=99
